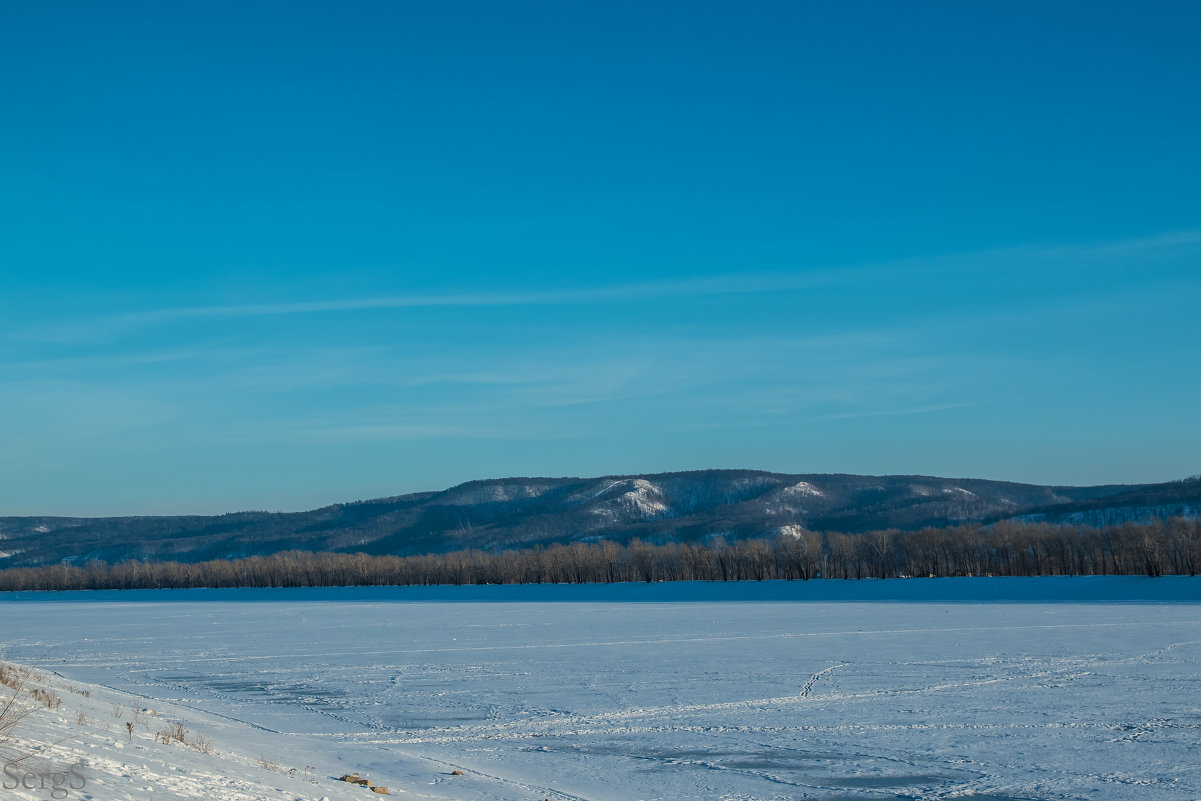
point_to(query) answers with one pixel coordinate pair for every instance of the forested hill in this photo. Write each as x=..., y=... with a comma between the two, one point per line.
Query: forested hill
x=523, y=512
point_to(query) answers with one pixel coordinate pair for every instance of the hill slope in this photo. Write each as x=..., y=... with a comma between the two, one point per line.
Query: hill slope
x=1173, y=499
x=515, y=512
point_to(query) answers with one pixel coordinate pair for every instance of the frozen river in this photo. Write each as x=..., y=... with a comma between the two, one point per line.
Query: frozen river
x=667, y=696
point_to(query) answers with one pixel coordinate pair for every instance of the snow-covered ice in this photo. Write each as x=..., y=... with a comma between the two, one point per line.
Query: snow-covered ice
x=1065, y=689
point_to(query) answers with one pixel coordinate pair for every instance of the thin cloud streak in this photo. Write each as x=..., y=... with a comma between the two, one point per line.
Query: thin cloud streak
x=728, y=283
x=1052, y=257
x=717, y=285
x=933, y=409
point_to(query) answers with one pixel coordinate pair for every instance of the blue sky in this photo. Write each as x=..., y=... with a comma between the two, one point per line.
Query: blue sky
x=277, y=255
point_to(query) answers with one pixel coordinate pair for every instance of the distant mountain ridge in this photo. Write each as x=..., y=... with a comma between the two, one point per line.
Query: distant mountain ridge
x=1172, y=499
x=522, y=512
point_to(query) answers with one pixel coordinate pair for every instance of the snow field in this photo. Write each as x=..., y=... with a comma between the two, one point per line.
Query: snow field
x=1029, y=701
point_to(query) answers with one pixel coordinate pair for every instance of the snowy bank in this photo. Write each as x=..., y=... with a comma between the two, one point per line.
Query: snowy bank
x=83, y=741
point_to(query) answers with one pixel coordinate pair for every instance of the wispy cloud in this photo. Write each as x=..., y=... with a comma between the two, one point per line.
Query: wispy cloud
x=115, y=361
x=627, y=375
x=734, y=283
x=722, y=284
x=1037, y=259
x=903, y=412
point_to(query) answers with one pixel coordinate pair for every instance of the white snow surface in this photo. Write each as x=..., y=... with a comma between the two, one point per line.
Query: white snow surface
x=474, y=494
x=805, y=489
x=81, y=749
x=1031, y=689
x=640, y=500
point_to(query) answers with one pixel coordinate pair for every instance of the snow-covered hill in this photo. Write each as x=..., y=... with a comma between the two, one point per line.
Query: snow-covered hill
x=517, y=512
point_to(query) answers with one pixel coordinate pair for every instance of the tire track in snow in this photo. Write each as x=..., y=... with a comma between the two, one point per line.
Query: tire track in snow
x=627, y=719
x=542, y=791
x=813, y=679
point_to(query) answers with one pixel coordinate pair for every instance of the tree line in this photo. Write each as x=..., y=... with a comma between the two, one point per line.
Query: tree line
x=1003, y=549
